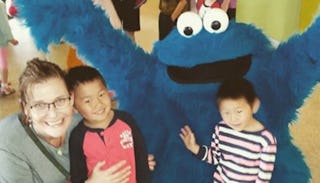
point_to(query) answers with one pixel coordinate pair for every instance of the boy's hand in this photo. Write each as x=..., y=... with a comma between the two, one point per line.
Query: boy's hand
x=189, y=140
x=151, y=162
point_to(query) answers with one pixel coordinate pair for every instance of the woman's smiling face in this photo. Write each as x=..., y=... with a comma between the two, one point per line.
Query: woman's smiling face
x=50, y=108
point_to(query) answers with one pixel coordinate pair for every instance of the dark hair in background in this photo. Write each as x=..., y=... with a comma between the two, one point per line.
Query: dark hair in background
x=236, y=88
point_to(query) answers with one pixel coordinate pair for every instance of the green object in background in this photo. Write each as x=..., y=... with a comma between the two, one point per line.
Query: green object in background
x=309, y=10
x=278, y=19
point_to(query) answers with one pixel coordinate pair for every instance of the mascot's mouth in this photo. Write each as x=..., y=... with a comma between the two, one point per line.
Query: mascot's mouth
x=211, y=72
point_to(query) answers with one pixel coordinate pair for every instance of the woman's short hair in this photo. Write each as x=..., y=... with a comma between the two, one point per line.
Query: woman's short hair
x=37, y=71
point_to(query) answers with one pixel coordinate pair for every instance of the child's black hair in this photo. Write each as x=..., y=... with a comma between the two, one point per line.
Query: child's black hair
x=82, y=74
x=236, y=88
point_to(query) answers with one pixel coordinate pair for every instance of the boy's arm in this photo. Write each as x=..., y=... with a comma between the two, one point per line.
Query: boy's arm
x=78, y=167
x=201, y=152
x=267, y=160
x=140, y=151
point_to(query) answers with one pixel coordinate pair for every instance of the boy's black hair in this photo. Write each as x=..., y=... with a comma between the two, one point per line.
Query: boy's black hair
x=236, y=88
x=82, y=74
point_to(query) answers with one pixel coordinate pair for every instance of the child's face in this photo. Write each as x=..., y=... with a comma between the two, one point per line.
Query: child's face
x=93, y=102
x=237, y=113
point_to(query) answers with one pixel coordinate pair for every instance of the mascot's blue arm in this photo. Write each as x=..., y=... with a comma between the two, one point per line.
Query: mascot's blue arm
x=89, y=30
x=297, y=62
x=284, y=79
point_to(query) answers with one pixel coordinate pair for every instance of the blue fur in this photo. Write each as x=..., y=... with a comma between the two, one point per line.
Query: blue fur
x=283, y=78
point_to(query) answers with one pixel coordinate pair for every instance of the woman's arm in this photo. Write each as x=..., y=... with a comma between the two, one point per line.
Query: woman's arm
x=15, y=169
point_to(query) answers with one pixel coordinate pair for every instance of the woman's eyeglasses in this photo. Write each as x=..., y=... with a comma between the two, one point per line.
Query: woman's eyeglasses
x=59, y=103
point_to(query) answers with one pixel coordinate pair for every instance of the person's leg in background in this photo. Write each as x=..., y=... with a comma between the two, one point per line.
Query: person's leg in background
x=5, y=88
x=165, y=25
x=129, y=16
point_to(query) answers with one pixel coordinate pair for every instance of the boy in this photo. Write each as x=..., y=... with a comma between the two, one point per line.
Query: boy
x=104, y=134
x=241, y=147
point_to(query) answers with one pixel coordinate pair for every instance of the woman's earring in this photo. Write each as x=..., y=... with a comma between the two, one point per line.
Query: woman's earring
x=29, y=121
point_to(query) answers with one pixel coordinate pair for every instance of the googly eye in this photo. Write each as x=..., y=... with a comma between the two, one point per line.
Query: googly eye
x=215, y=20
x=189, y=24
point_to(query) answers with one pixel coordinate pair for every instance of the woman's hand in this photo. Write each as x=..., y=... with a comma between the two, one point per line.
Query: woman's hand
x=118, y=173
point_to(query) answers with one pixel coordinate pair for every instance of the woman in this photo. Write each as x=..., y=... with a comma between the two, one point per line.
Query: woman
x=34, y=144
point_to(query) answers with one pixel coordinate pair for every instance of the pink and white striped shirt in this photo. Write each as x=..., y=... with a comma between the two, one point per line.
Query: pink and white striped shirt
x=240, y=156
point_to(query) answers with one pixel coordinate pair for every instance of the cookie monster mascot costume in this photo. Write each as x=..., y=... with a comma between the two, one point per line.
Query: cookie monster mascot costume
x=176, y=84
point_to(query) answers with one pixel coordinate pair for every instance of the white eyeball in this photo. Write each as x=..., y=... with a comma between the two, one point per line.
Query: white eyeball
x=189, y=24
x=215, y=20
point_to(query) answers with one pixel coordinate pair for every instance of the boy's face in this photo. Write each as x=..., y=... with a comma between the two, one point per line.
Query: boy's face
x=237, y=113
x=93, y=102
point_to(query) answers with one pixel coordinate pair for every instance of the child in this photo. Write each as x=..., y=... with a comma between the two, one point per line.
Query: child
x=5, y=37
x=104, y=134
x=241, y=147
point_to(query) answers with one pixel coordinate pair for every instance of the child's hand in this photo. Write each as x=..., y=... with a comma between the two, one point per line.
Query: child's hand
x=151, y=162
x=14, y=41
x=189, y=140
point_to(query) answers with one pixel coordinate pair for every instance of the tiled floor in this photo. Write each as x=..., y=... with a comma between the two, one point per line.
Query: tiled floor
x=304, y=131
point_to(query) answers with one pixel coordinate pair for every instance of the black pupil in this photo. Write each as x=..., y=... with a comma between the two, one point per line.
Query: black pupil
x=188, y=31
x=215, y=25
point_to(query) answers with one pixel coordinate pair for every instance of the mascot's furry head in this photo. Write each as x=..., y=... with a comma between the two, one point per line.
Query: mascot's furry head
x=176, y=84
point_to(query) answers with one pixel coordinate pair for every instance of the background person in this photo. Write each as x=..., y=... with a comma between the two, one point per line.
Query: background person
x=6, y=37
x=169, y=13
x=229, y=6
